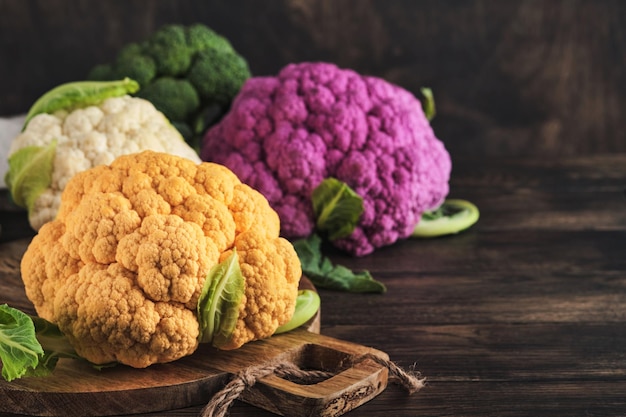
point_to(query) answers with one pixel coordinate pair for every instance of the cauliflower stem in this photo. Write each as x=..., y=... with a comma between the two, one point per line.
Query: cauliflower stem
x=307, y=305
x=428, y=103
x=451, y=217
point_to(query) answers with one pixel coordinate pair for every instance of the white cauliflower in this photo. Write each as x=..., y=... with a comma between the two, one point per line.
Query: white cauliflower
x=73, y=139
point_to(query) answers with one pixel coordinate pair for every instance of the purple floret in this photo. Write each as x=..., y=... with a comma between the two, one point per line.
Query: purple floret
x=285, y=134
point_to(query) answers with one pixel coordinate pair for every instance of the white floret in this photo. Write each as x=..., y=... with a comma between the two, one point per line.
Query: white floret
x=82, y=121
x=94, y=136
x=94, y=144
x=67, y=164
x=45, y=208
x=40, y=132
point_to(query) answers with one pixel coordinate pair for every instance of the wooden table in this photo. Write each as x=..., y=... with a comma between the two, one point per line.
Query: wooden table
x=522, y=315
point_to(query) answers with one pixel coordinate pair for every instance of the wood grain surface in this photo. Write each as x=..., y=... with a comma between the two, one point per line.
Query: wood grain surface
x=510, y=77
x=522, y=315
x=76, y=389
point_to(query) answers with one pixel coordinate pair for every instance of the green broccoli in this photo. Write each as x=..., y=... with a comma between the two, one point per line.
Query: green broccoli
x=190, y=73
x=130, y=61
x=136, y=65
x=228, y=73
x=102, y=72
x=169, y=49
x=200, y=37
x=182, y=99
x=174, y=97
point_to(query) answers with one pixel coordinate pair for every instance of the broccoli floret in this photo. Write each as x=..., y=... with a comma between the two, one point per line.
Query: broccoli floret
x=218, y=75
x=200, y=37
x=140, y=68
x=102, y=72
x=168, y=47
x=208, y=116
x=176, y=98
x=178, y=101
x=133, y=63
x=129, y=50
x=199, y=68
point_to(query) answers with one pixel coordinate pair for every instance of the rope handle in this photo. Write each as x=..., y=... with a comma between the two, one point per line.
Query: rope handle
x=411, y=380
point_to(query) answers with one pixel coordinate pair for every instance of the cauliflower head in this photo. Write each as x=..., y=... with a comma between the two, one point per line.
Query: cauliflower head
x=285, y=134
x=121, y=268
x=86, y=137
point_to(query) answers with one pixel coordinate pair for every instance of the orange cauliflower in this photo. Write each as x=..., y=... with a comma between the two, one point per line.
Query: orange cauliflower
x=122, y=267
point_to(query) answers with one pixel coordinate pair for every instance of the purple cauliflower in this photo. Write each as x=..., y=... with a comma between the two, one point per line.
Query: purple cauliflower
x=285, y=134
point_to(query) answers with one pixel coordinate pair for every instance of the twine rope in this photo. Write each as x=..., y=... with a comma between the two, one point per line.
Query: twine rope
x=410, y=380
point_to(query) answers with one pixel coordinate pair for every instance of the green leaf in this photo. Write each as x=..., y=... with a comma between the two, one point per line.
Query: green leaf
x=307, y=304
x=79, y=94
x=321, y=271
x=31, y=346
x=453, y=216
x=218, y=305
x=337, y=208
x=20, y=350
x=55, y=344
x=30, y=173
x=428, y=104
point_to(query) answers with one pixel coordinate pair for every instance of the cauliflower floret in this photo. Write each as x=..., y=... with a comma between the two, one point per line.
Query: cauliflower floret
x=263, y=311
x=116, y=322
x=95, y=135
x=121, y=268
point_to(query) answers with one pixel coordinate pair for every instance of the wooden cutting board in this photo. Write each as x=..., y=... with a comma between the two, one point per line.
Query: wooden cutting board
x=76, y=389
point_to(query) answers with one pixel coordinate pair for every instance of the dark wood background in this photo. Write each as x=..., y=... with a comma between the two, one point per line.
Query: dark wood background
x=522, y=315
x=525, y=77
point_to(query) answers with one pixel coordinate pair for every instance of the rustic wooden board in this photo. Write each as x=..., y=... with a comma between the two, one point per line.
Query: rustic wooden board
x=76, y=389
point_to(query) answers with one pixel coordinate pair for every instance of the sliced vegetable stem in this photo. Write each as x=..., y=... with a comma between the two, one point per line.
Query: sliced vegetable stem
x=453, y=216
